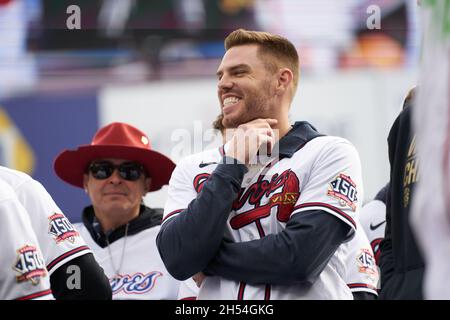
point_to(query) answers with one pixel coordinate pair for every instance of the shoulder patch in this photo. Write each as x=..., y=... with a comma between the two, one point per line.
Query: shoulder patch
x=29, y=264
x=366, y=264
x=344, y=189
x=61, y=229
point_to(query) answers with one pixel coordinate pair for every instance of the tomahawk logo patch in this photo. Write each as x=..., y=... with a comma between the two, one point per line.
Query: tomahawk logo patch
x=343, y=189
x=61, y=229
x=29, y=264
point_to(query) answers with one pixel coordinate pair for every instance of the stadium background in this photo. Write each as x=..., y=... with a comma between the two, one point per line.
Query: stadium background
x=152, y=64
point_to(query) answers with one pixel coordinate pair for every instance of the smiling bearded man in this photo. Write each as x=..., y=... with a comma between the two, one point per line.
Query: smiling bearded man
x=253, y=225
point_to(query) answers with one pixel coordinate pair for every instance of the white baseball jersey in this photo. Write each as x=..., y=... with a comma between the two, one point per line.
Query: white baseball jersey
x=325, y=174
x=362, y=273
x=373, y=220
x=59, y=240
x=142, y=274
x=188, y=290
x=23, y=275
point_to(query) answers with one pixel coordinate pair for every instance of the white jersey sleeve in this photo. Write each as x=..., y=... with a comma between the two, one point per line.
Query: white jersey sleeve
x=181, y=189
x=59, y=240
x=373, y=221
x=23, y=275
x=362, y=273
x=334, y=183
x=188, y=290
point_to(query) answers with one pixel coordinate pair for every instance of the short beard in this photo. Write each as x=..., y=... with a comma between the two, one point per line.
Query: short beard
x=256, y=106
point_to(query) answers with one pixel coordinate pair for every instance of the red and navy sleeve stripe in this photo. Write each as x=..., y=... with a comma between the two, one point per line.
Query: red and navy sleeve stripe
x=362, y=287
x=171, y=214
x=325, y=207
x=65, y=256
x=36, y=295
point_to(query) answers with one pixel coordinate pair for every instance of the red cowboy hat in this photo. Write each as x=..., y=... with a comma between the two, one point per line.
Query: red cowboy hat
x=116, y=140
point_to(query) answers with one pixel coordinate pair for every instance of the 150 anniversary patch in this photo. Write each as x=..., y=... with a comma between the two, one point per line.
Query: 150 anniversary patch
x=61, y=229
x=29, y=264
x=343, y=189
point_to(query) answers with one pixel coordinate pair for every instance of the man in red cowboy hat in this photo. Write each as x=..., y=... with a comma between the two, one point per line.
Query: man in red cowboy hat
x=116, y=170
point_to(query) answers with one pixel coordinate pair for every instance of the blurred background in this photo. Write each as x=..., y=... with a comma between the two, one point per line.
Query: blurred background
x=70, y=67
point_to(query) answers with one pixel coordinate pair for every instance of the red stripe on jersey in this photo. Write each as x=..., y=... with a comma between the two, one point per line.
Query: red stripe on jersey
x=260, y=229
x=267, y=293
x=172, y=213
x=241, y=291
x=247, y=217
x=328, y=206
x=222, y=150
x=361, y=285
x=65, y=255
x=189, y=298
x=36, y=295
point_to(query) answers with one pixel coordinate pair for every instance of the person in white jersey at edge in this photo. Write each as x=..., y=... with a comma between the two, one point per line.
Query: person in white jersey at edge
x=373, y=220
x=270, y=228
x=117, y=169
x=23, y=275
x=65, y=252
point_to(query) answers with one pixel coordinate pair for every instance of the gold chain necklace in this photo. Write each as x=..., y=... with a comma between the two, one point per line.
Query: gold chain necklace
x=117, y=271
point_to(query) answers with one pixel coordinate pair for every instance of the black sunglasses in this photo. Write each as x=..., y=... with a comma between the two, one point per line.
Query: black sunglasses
x=102, y=170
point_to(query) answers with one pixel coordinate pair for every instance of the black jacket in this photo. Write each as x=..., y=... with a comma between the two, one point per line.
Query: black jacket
x=401, y=263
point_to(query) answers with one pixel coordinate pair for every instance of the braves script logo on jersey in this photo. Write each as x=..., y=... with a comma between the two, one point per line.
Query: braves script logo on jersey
x=366, y=263
x=284, y=200
x=29, y=265
x=137, y=283
x=61, y=228
x=344, y=189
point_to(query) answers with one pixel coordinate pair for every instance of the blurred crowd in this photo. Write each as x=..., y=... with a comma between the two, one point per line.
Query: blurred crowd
x=137, y=40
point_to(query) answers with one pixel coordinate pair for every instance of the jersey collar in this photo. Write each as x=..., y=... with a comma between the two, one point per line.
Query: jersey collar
x=147, y=218
x=301, y=133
